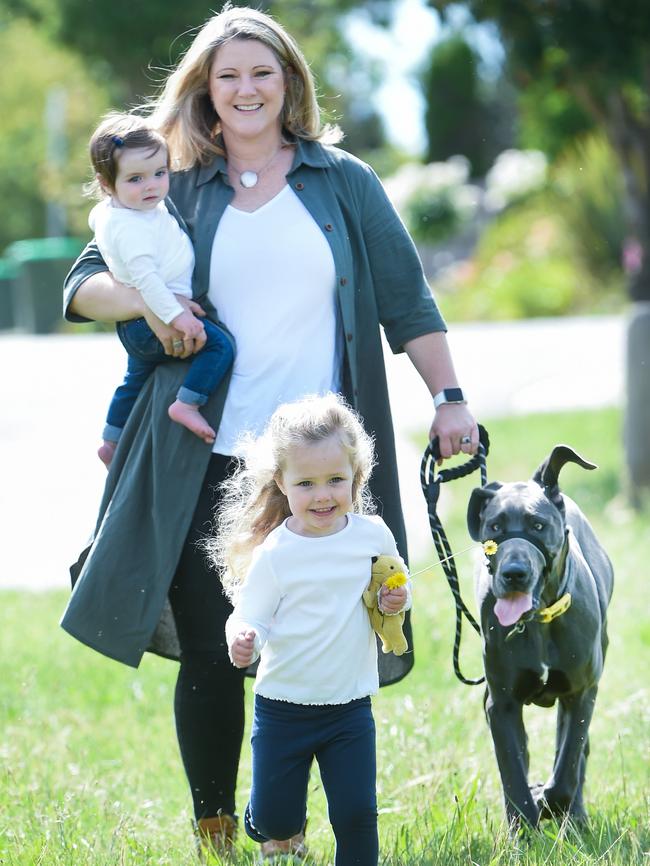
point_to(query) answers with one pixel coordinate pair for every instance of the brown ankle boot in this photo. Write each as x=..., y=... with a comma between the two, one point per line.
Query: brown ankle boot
x=286, y=849
x=216, y=835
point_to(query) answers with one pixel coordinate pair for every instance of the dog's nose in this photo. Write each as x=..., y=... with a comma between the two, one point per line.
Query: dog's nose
x=514, y=573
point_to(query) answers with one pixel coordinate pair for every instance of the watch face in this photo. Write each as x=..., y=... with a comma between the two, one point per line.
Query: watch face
x=454, y=395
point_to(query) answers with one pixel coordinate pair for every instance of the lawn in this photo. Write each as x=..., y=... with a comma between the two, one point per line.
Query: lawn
x=91, y=774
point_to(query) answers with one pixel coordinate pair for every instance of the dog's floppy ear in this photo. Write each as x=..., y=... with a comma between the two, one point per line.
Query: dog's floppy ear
x=547, y=473
x=477, y=502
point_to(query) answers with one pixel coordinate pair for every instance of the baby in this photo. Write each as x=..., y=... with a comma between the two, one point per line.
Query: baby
x=145, y=247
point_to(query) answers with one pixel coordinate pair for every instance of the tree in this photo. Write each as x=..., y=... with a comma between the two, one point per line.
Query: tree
x=27, y=180
x=599, y=51
x=461, y=111
x=549, y=117
x=137, y=42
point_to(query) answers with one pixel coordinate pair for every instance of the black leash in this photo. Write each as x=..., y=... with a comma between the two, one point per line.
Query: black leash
x=431, y=488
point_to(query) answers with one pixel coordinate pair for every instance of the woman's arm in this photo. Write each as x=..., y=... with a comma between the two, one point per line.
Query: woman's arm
x=100, y=297
x=431, y=357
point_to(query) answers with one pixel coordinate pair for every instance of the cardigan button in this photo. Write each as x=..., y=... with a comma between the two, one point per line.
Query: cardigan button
x=300, y=185
x=343, y=281
x=349, y=337
x=329, y=227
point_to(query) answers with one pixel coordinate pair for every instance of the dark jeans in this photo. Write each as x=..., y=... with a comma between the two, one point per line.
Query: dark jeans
x=285, y=739
x=207, y=369
x=209, y=699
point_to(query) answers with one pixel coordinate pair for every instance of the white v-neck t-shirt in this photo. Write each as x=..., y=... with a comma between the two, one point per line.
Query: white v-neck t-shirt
x=272, y=280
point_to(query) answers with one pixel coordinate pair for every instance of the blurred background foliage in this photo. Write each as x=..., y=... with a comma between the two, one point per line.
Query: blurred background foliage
x=553, y=248
x=27, y=181
x=529, y=193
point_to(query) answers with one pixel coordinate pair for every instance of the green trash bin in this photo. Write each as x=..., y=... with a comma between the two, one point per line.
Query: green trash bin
x=8, y=273
x=42, y=264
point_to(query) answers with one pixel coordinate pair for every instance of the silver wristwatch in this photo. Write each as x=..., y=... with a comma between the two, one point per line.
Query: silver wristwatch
x=449, y=395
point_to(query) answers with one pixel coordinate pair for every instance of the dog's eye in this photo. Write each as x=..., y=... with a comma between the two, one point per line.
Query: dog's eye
x=538, y=526
x=495, y=527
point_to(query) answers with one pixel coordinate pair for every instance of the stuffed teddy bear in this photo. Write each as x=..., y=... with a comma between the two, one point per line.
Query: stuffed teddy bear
x=389, y=570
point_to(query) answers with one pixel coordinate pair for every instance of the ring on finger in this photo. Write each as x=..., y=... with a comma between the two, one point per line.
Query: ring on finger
x=466, y=440
x=177, y=344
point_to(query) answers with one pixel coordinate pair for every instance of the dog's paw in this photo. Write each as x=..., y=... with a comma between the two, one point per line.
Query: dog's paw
x=553, y=804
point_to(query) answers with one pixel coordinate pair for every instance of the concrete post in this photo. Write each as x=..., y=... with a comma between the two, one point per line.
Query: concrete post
x=637, y=413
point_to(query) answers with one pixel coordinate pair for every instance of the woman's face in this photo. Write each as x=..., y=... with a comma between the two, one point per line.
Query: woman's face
x=247, y=89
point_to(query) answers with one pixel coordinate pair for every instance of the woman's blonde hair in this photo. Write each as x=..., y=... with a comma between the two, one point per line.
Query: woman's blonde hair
x=252, y=502
x=184, y=114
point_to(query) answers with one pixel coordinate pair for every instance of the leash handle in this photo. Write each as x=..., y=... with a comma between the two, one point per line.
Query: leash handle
x=432, y=454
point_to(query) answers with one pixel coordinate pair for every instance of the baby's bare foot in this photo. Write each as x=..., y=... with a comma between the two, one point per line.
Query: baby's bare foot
x=106, y=451
x=189, y=416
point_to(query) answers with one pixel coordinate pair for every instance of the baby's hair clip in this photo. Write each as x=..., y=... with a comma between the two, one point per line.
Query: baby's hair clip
x=117, y=141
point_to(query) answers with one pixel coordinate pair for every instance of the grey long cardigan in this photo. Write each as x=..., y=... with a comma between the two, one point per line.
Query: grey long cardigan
x=119, y=603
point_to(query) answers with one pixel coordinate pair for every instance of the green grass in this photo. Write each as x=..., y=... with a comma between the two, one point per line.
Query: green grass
x=90, y=767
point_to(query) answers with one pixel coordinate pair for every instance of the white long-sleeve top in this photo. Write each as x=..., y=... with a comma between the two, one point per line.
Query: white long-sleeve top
x=302, y=596
x=147, y=250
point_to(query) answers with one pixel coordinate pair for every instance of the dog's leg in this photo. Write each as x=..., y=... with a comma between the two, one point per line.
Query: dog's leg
x=562, y=794
x=511, y=748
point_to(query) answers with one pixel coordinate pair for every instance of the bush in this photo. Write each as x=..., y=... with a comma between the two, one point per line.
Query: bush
x=515, y=175
x=527, y=264
x=434, y=200
x=553, y=245
x=589, y=187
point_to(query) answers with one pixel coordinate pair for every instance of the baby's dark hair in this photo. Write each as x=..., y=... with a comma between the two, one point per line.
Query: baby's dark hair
x=116, y=132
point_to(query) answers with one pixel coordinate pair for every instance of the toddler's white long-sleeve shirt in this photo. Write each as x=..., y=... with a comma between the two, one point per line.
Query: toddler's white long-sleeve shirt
x=302, y=596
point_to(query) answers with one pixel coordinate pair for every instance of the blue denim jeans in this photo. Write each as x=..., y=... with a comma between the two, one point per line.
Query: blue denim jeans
x=285, y=739
x=207, y=369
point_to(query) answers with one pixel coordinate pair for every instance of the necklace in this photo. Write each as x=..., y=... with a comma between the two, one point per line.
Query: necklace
x=249, y=178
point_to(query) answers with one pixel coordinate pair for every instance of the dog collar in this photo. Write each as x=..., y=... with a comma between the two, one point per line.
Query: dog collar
x=548, y=614
x=545, y=615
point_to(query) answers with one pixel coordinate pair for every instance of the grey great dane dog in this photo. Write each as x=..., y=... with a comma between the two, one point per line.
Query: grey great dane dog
x=543, y=598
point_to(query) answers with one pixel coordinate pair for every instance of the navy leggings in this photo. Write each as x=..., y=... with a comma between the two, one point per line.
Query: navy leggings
x=209, y=699
x=286, y=738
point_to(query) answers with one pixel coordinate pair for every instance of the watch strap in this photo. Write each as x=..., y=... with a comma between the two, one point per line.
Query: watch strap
x=449, y=395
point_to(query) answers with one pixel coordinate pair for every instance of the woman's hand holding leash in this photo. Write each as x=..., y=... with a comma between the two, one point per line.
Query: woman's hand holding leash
x=453, y=425
x=456, y=430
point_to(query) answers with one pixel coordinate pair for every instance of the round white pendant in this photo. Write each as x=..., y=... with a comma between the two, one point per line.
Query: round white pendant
x=248, y=179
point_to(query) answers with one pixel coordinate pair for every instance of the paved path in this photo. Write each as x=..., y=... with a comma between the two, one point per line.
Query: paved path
x=53, y=408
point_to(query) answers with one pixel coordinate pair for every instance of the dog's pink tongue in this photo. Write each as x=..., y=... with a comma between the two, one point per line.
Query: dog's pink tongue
x=509, y=609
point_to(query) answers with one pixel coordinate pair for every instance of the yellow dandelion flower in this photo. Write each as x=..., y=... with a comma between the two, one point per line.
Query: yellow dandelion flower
x=490, y=547
x=395, y=580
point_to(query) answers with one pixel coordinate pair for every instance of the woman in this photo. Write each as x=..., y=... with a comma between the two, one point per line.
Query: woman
x=302, y=257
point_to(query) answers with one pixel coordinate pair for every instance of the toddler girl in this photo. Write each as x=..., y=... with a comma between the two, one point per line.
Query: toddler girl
x=144, y=247
x=296, y=549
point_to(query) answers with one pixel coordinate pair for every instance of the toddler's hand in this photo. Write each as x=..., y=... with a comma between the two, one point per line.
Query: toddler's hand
x=242, y=648
x=393, y=600
x=189, y=326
